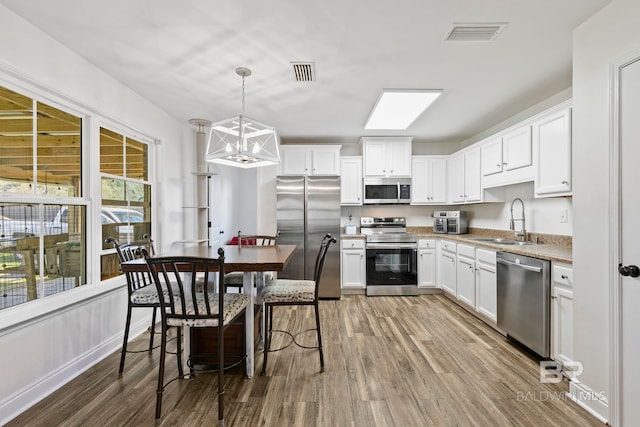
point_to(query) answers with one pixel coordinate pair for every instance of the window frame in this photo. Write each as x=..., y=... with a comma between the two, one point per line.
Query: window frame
x=91, y=121
x=151, y=143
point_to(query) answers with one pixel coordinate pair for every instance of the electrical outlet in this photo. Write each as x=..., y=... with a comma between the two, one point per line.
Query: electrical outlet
x=563, y=215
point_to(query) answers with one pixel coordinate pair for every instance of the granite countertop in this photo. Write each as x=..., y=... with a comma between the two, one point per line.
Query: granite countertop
x=551, y=247
x=353, y=236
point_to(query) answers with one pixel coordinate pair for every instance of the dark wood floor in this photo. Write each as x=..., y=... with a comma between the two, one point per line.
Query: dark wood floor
x=390, y=361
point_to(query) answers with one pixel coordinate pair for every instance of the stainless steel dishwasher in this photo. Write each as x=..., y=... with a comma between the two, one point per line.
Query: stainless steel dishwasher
x=524, y=300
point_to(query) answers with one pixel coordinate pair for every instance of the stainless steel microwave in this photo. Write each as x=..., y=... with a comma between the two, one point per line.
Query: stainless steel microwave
x=387, y=191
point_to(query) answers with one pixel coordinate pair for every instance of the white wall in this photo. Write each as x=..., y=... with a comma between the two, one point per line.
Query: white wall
x=47, y=342
x=597, y=44
x=542, y=215
x=247, y=200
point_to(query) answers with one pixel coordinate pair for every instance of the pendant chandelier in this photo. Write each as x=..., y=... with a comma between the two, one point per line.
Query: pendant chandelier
x=241, y=141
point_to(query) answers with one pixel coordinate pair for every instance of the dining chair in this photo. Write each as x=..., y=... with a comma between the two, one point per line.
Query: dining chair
x=287, y=292
x=141, y=292
x=235, y=278
x=184, y=305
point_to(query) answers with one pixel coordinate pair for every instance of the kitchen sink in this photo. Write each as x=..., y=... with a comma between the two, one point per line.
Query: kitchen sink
x=500, y=241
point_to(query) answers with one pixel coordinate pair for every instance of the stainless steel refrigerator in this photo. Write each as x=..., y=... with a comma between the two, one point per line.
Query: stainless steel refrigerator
x=308, y=208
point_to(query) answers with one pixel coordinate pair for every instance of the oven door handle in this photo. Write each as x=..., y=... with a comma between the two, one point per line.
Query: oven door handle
x=392, y=246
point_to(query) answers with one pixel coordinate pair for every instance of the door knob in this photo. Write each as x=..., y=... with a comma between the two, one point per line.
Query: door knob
x=629, y=270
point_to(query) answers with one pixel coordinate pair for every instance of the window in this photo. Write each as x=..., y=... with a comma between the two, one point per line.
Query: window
x=28, y=127
x=126, y=194
x=42, y=241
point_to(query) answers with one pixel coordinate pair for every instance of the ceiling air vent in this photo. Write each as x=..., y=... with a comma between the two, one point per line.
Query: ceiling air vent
x=303, y=71
x=474, y=32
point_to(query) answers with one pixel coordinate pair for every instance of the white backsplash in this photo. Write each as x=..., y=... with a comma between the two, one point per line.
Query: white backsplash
x=542, y=215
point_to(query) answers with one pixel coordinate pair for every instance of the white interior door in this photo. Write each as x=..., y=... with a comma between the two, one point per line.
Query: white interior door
x=629, y=237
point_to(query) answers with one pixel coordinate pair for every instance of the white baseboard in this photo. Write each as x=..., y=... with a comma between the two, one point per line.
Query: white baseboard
x=595, y=403
x=14, y=405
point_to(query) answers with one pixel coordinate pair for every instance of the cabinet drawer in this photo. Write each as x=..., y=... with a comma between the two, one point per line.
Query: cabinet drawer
x=562, y=275
x=448, y=246
x=466, y=250
x=485, y=256
x=352, y=243
x=426, y=244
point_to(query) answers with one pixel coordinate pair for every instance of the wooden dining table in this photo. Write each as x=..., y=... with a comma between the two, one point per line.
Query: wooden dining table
x=247, y=259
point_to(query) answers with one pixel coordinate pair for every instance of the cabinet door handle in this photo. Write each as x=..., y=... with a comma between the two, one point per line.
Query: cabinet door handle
x=564, y=276
x=498, y=165
x=565, y=182
x=504, y=163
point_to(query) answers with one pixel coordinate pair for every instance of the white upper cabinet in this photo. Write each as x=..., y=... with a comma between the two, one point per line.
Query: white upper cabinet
x=491, y=153
x=472, y=182
x=464, y=177
x=386, y=156
x=516, y=149
x=428, y=180
x=351, y=180
x=309, y=160
x=456, y=178
x=507, y=158
x=552, y=150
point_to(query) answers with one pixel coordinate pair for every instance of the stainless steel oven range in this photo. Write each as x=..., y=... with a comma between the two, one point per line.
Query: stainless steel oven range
x=392, y=256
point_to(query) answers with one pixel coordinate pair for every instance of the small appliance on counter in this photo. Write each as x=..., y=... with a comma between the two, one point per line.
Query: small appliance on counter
x=350, y=229
x=450, y=222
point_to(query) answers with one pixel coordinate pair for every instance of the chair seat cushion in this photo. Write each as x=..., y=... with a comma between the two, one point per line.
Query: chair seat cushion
x=234, y=304
x=289, y=291
x=149, y=295
x=235, y=278
x=146, y=295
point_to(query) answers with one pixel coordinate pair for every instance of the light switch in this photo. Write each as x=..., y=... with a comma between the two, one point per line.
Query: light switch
x=563, y=215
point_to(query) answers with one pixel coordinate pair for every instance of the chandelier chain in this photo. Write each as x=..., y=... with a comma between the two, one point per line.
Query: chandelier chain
x=242, y=95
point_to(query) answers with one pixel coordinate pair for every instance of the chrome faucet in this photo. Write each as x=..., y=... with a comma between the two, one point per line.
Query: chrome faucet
x=522, y=234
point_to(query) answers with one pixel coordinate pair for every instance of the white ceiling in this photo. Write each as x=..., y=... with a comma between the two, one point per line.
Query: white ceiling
x=181, y=55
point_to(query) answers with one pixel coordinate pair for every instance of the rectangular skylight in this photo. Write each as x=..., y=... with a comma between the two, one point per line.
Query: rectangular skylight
x=398, y=108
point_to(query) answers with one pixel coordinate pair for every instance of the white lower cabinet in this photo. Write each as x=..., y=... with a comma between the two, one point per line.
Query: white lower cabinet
x=426, y=263
x=466, y=275
x=562, y=313
x=353, y=269
x=486, y=283
x=448, y=266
